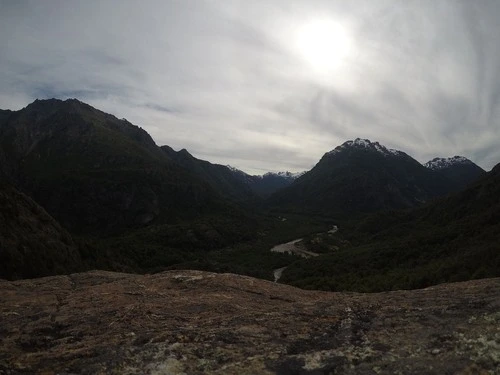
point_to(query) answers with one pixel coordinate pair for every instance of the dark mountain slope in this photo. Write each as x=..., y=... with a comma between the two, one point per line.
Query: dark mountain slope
x=4, y=114
x=453, y=239
x=95, y=173
x=219, y=177
x=361, y=176
x=32, y=243
x=132, y=206
x=459, y=170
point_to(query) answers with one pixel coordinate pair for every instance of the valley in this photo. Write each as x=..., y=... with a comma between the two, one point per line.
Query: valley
x=121, y=203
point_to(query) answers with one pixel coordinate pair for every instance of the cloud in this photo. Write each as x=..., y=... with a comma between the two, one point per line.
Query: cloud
x=227, y=80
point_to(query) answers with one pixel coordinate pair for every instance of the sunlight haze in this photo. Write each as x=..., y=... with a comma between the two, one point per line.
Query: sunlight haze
x=268, y=85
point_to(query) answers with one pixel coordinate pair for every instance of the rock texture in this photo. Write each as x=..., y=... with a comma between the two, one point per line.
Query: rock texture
x=191, y=322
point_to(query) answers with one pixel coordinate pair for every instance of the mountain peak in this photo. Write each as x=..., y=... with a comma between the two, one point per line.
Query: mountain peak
x=184, y=152
x=443, y=163
x=360, y=143
x=53, y=102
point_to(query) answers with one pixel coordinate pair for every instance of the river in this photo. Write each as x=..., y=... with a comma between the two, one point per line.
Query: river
x=294, y=248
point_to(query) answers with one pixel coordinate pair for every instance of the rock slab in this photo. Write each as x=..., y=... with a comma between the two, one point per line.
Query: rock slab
x=192, y=322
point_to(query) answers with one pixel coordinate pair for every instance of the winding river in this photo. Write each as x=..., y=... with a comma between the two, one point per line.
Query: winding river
x=294, y=248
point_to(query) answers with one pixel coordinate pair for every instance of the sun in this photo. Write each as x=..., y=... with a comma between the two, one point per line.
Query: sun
x=324, y=44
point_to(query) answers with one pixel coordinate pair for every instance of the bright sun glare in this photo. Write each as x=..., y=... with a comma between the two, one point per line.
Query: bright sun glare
x=324, y=44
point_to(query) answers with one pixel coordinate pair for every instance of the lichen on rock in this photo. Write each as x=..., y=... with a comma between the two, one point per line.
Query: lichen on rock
x=193, y=322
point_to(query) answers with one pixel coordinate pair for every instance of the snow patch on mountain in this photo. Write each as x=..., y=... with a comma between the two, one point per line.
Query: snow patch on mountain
x=365, y=144
x=233, y=169
x=286, y=175
x=443, y=163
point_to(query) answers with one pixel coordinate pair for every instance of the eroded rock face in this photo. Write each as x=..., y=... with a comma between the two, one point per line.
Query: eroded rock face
x=191, y=322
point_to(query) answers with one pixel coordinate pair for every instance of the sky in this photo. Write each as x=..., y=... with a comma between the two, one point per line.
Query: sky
x=268, y=85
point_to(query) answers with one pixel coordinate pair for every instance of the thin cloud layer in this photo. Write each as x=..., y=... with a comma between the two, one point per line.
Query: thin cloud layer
x=228, y=80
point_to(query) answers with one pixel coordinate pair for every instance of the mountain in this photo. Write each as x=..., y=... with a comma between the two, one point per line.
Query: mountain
x=268, y=183
x=361, y=176
x=457, y=169
x=455, y=238
x=136, y=207
x=221, y=178
x=32, y=243
x=96, y=173
x=271, y=182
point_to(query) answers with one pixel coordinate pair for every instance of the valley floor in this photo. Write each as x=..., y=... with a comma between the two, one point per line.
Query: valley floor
x=193, y=322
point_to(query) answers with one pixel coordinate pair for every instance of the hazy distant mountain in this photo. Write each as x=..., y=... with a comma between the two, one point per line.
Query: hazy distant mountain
x=362, y=176
x=94, y=172
x=271, y=182
x=268, y=183
x=458, y=169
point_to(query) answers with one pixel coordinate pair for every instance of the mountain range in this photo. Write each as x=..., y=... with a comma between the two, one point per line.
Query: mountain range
x=360, y=176
x=112, y=198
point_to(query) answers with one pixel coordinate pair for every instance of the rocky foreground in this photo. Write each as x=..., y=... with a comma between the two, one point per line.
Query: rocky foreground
x=189, y=322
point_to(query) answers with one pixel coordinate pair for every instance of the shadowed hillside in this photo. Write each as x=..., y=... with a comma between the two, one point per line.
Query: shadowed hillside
x=97, y=174
x=32, y=243
x=455, y=238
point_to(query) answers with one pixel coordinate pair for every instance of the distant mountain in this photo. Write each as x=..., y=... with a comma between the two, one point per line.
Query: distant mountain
x=458, y=169
x=362, y=176
x=268, y=183
x=95, y=173
x=271, y=182
x=32, y=243
x=221, y=178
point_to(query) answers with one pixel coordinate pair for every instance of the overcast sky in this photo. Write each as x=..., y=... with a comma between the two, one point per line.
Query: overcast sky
x=268, y=85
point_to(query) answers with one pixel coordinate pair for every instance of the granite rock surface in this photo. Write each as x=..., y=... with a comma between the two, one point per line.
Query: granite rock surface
x=192, y=322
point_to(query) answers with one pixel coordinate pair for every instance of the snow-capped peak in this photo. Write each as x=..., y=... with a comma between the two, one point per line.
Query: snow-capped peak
x=442, y=163
x=287, y=175
x=365, y=144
